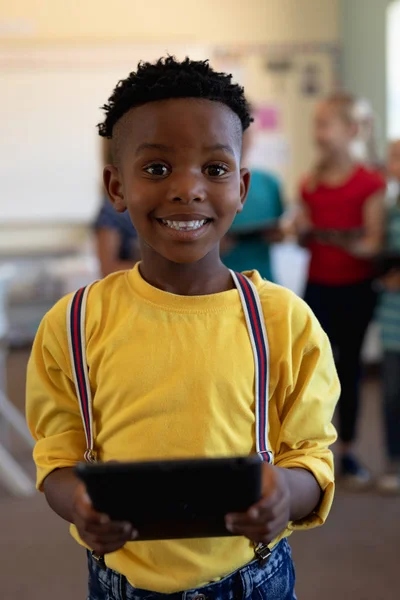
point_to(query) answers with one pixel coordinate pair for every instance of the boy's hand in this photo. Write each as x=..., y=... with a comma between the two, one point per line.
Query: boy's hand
x=97, y=530
x=264, y=521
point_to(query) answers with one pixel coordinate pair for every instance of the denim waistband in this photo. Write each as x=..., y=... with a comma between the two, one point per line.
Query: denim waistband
x=277, y=574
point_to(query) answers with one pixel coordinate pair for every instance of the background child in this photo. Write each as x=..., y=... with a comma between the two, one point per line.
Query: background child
x=389, y=319
x=263, y=208
x=171, y=364
x=341, y=221
x=116, y=239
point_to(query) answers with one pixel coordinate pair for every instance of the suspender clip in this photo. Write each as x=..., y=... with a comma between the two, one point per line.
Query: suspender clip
x=99, y=560
x=262, y=553
x=90, y=456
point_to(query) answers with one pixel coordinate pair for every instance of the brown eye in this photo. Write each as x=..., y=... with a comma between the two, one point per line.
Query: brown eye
x=216, y=170
x=157, y=169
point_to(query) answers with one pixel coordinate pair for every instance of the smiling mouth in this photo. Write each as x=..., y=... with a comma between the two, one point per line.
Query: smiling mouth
x=184, y=225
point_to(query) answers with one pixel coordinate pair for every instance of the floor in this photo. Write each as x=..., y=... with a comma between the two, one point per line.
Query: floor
x=355, y=556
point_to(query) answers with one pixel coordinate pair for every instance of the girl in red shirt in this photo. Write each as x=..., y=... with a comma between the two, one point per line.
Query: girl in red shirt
x=341, y=220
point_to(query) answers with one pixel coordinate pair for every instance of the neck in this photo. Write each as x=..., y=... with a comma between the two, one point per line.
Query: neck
x=341, y=163
x=206, y=276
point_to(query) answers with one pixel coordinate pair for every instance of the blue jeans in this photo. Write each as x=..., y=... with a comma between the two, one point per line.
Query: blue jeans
x=273, y=581
x=391, y=393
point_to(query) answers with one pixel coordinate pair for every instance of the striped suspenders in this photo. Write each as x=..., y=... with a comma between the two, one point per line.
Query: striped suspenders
x=259, y=342
x=76, y=318
x=258, y=336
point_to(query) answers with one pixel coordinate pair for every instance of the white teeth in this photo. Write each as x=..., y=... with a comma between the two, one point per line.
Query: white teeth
x=184, y=225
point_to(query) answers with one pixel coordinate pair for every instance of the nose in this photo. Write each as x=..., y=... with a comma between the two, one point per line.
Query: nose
x=186, y=188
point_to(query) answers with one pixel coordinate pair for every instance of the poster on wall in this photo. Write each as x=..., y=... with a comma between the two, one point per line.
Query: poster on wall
x=311, y=84
x=267, y=117
x=270, y=149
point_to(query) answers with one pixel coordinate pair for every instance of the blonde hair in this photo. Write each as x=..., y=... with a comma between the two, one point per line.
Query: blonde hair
x=345, y=106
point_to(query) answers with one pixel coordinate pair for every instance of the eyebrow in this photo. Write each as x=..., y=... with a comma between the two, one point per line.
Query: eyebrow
x=165, y=148
x=146, y=146
x=224, y=147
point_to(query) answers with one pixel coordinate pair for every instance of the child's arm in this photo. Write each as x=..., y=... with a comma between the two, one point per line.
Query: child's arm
x=374, y=228
x=298, y=490
x=297, y=222
x=55, y=422
x=369, y=243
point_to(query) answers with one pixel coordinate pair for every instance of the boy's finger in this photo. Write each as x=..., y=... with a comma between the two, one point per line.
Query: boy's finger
x=112, y=528
x=257, y=534
x=90, y=516
x=82, y=503
x=113, y=537
x=257, y=515
x=265, y=533
x=267, y=500
x=258, y=512
x=244, y=521
x=268, y=508
x=105, y=547
x=84, y=508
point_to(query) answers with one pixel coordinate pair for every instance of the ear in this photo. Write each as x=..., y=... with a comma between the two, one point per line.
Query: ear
x=113, y=185
x=244, y=187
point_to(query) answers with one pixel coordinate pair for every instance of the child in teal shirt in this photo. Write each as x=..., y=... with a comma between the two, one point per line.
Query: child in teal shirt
x=263, y=208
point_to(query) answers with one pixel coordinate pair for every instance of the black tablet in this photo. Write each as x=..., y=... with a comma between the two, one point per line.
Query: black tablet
x=176, y=498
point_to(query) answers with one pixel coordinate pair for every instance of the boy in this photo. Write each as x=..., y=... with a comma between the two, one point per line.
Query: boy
x=170, y=360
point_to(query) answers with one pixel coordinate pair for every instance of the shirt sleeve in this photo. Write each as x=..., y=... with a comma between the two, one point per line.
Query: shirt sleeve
x=52, y=409
x=306, y=412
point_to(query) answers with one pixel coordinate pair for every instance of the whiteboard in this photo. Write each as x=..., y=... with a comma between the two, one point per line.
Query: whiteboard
x=49, y=105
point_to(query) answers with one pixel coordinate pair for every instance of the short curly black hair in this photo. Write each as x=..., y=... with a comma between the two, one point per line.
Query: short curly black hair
x=169, y=78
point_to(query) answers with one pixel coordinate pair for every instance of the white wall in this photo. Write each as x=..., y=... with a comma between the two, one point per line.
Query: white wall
x=137, y=21
x=362, y=29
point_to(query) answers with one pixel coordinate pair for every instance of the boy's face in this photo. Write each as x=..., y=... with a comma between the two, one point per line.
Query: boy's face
x=178, y=175
x=393, y=166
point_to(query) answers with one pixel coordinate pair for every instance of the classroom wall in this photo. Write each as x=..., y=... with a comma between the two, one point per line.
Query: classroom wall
x=222, y=21
x=73, y=23
x=362, y=30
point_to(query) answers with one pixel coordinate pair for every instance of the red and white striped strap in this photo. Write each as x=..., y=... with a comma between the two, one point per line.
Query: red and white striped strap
x=76, y=318
x=259, y=342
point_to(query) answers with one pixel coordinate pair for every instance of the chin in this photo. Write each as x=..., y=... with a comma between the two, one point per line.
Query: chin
x=184, y=260
x=185, y=254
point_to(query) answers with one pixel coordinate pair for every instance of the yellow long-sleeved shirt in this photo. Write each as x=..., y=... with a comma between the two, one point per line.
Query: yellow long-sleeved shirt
x=173, y=376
